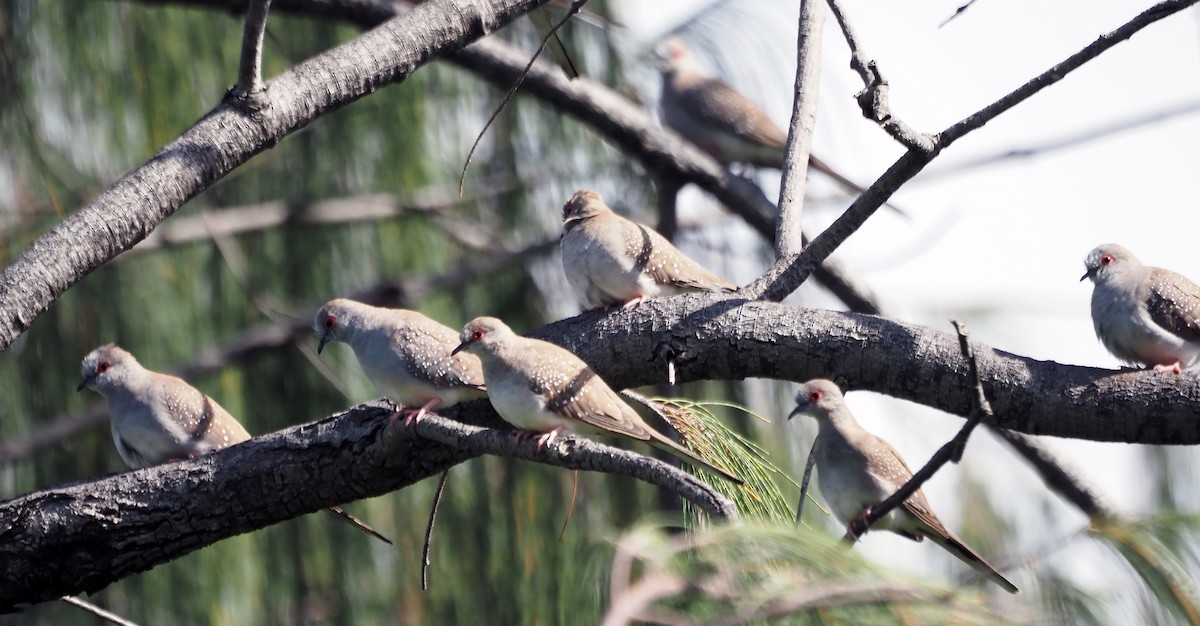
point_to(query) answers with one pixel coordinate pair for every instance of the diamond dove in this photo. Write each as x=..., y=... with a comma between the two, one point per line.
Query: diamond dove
x=157, y=418
x=610, y=260
x=406, y=354
x=542, y=388
x=1144, y=315
x=857, y=470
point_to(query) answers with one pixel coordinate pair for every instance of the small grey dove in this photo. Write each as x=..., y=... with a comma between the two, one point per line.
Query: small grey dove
x=610, y=260
x=406, y=354
x=157, y=418
x=857, y=470
x=722, y=121
x=542, y=388
x=1144, y=315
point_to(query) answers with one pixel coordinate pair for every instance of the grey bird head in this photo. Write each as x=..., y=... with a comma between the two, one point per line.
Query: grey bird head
x=817, y=399
x=329, y=323
x=483, y=334
x=107, y=369
x=1107, y=262
x=582, y=204
x=673, y=56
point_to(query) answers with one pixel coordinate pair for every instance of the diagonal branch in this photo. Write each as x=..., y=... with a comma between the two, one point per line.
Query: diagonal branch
x=789, y=273
x=225, y=138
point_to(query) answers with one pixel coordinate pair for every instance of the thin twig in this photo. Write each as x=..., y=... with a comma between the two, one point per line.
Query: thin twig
x=437, y=499
x=957, y=12
x=250, y=81
x=576, y=6
x=808, y=468
x=570, y=507
x=873, y=99
x=97, y=611
x=951, y=451
x=788, y=235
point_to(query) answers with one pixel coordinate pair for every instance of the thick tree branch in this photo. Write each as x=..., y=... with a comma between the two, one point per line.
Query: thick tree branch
x=225, y=138
x=788, y=236
x=82, y=537
x=727, y=338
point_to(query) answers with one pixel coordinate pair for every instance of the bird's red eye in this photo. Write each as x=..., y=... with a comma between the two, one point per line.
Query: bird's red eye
x=1106, y=259
x=476, y=335
x=815, y=396
x=102, y=367
x=330, y=322
x=568, y=210
x=676, y=52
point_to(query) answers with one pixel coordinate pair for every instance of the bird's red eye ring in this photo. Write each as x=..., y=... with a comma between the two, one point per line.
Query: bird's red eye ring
x=102, y=367
x=815, y=396
x=476, y=335
x=1106, y=260
x=330, y=322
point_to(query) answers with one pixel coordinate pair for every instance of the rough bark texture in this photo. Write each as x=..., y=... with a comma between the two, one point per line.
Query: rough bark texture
x=732, y=339
x=81, y=537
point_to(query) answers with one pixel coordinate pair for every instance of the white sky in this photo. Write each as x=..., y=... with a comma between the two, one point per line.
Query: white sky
x=1008, y=239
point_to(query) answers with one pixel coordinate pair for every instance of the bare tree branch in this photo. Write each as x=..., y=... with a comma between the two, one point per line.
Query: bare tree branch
x=790, y=273
x=249, y=83
x=873, y=99
x=74, y=538
x=726, y=338
x=225, y=138
x=788, y=235
x=107, y=616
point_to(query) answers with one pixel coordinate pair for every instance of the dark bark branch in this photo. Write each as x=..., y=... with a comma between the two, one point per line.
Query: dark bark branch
x=728, y=338
x=225, y=138
x=873, y=99
x=75, y=538
x=788, y=236
x=786, y=277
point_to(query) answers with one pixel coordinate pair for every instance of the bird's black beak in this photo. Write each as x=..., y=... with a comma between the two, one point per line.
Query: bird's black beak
x=1086, y=275
x=84, y=383
x=796, y=411
x=459, y=348
x=322, y=342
